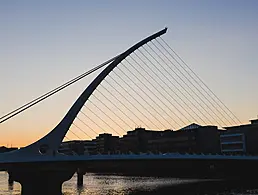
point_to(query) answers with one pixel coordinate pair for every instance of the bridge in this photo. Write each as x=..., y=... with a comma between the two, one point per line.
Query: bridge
x=164, y=104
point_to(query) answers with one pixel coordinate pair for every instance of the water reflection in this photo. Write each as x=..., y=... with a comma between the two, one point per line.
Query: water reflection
x=114, y=184
x=95, y=184
x=124, y=185
x=10, y=187
x=203, y=188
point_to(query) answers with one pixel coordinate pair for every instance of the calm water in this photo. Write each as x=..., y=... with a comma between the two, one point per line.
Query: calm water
x=125, y=185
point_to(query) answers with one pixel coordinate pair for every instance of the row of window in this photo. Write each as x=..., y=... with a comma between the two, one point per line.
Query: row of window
x=232, y=142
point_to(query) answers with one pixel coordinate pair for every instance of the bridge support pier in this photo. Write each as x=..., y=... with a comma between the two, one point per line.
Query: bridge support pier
x=41, y=182
x=10, y=179
x=80, y=174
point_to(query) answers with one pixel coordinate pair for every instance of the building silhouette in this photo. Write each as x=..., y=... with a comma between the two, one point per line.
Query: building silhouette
x=194, y=138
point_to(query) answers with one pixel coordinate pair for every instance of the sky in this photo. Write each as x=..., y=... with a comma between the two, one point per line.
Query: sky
x=46, y=43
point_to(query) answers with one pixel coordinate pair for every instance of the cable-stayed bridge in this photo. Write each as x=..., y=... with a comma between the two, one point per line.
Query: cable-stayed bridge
x=148, y=85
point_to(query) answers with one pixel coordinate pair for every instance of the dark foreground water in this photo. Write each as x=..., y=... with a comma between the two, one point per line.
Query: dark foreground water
x=127, y=185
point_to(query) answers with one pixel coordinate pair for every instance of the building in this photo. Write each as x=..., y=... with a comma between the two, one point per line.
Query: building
x=173, y=141
x=78, y=147
x=106, y=143
x=191, y=139
x=137, y=140
x=207, y=139
x=194, y=138
x=5, y=149
x=240, y=139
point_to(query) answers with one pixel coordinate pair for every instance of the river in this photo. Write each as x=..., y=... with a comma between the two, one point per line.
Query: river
x=127, y=185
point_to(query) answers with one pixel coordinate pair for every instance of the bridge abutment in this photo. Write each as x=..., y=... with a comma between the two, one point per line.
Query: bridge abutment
x=41, y=182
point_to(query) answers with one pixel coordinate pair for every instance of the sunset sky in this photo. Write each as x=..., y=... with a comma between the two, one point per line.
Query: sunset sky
x=45, y=43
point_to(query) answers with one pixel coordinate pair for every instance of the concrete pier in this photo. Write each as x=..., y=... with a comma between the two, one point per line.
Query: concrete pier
x=10, y=179
x=79, y=178
x=80, y=174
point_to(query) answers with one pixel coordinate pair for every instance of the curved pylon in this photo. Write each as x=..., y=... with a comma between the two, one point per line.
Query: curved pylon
x=49, y=144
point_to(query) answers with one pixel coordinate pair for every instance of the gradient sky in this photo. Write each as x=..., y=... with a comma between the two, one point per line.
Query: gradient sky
x=45, y=43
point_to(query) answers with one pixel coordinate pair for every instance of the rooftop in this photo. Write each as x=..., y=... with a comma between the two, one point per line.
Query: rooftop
x=253, y=122
x=191, y=126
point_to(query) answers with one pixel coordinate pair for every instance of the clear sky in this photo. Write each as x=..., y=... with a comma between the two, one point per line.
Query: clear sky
x=45, y=43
